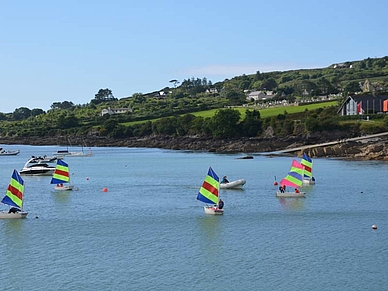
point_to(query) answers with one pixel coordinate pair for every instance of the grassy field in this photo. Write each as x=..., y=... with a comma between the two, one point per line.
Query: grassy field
x=264, y=113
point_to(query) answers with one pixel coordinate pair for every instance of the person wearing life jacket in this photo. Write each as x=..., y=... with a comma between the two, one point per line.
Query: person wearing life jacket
x=224, y=180
x=220, y=204
x=297, y=190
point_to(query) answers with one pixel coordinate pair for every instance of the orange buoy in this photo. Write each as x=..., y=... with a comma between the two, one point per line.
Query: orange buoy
x=105, y=190
x=275, y=183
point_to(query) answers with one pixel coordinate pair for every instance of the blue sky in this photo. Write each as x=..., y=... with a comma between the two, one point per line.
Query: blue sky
x=55, y=51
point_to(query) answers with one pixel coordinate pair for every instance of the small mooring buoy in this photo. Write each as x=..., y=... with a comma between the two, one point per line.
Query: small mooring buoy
x=374, y=226
x=105, y=190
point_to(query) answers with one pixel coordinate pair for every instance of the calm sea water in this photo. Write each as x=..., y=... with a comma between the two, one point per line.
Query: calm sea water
x=148, y=232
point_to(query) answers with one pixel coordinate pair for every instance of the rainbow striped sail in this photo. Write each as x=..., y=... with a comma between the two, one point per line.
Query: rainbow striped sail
x=308, y=165
x=61, y=173
x=295, y=176
x=15, y=190
x=209, y=191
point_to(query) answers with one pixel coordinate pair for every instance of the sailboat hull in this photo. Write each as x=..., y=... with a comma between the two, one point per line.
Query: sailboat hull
x=308, y=182
x=17, y=215
x=291, y=194
x=64, y=188
x=213, y=210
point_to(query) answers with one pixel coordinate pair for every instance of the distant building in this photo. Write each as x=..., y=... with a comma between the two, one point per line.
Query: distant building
x=112, y=111
x=212, y=91
x=364, y=104
x=256, y=95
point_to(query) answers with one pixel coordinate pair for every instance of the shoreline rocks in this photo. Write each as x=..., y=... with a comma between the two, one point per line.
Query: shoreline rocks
x=365, y=150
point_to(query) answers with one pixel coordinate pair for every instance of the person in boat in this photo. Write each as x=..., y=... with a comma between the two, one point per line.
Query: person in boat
x=13, y=210
x=282, y=188
x=224, y=180
x=220, y=204
x=297, y=190
x=60, y=185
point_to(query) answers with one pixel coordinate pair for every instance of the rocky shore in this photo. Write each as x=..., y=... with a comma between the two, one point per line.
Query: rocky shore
x=373, y=149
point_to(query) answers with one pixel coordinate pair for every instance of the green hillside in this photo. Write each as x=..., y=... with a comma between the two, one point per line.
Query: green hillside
x=195, y=105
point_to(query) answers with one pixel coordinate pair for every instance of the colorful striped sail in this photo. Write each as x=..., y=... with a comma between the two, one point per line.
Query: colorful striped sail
x=209, y=191
x=15, y=190
x=307, y=162
x=295, y=176
x=61, y=173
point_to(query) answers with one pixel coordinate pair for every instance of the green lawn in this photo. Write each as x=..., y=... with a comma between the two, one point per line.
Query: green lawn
x=264, y=113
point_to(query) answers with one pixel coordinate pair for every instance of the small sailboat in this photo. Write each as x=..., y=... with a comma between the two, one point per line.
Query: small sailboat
x=294, y=180
x=209, y=193
x=14, y=198
x=307, y=163
x=61, y=176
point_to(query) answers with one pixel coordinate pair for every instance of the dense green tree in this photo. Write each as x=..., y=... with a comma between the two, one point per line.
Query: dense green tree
x=269, y=84
x=21, y=113
x=62, y=105
x=225, y=123
x=251, y=125
x=352, y=87
x=3, y=116
x=37, y=111
x=103, y=95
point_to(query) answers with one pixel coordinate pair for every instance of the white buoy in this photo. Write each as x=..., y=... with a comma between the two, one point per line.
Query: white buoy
x=374, y=226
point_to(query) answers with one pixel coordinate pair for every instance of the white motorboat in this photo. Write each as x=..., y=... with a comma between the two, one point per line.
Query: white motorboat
x=238, y=184
x=38, y=167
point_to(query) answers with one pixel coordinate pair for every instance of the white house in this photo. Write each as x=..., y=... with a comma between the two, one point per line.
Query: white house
x=256, y=95
x=212, y=91
x=115, y=111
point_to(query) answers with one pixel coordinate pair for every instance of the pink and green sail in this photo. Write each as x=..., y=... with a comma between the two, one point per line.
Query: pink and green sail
x=295, y=176
x=209, y=191
x=14, y=194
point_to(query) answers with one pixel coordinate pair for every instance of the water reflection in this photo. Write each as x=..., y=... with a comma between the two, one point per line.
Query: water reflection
x=61, y=197
x=210, y=236
x=295, y=204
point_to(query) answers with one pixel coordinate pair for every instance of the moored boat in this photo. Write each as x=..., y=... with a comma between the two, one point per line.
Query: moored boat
x=38, y=167
x=3, y=152
x=237, y=184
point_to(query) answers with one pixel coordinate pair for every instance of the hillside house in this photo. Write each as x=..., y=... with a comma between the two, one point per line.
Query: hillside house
x=257, y=96
x=364, y=104
x=112, y=111
x=212, y=91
